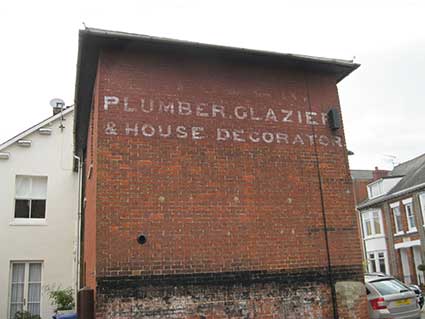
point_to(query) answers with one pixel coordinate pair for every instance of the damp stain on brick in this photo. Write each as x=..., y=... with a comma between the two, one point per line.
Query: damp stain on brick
x=285, y=294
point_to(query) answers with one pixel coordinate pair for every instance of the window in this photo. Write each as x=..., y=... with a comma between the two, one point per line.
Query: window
x=375, y=189
x=377, y=262
x=372, y=223
x=30, y=197
x=372, y=263
x=411, y=223
x=389, y=286
x=381, y=262
x=25, y=288
x=397, y=220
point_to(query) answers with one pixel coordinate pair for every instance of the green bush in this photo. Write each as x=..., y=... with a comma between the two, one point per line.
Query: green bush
x=62, y=299
x=421, y=267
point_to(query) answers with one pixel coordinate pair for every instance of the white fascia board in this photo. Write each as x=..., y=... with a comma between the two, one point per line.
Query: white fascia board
x=35, y=128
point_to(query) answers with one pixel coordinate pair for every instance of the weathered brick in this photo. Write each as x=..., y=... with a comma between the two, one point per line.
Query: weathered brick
x=233, y=207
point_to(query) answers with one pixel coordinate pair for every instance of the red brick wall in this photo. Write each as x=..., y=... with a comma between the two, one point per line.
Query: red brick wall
x=252, y=202
x=360, y=190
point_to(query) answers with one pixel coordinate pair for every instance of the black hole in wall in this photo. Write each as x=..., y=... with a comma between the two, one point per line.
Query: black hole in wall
x=141, y=239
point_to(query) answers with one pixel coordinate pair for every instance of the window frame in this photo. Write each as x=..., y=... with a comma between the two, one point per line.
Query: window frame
x=380, y=188
x=26, y=284
x=376, y=261
x=16, y=221
x=408, y=203
x=393, y=207
x=369, y=216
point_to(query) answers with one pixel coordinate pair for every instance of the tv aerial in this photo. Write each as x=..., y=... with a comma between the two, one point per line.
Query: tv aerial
x=58, y=105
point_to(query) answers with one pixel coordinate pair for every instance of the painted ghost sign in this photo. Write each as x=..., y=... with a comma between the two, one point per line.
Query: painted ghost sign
x=276, y=117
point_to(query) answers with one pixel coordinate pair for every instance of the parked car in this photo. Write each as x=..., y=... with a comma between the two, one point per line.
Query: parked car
x=418, y=293
x=390, y=298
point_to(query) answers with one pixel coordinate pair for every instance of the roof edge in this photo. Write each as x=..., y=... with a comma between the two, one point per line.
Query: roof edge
x=34, y=128
x=384, y=198
x=134, y=36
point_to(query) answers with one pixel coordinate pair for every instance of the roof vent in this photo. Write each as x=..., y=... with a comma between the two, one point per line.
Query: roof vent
x=45, y=131
x=25, y=143
x=4, y=155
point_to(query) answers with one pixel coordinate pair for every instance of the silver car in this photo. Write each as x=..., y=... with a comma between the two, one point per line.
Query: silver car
x=390, y=299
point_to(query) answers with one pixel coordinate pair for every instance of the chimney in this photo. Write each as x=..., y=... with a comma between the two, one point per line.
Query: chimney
x=379, y=173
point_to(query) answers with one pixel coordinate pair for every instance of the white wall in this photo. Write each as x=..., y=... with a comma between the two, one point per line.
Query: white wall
x=54, y=242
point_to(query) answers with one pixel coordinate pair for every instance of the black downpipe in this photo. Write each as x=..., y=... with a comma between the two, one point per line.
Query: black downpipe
x=325, y=228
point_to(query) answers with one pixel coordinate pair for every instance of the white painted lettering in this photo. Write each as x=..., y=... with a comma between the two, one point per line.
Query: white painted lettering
x=222, y=134
x=217, y=109
x=196, y=133
x=254, y=137
x=311, y=138
x=148, y=130
x=241, y=112
x=337, y=141
x=300, y=117
x=181, y=132
x=282, y=137
x=200, y=110
x=253, y=117
x=147, y=109
x=162, y=133
x=324, y=118
x=323, y=140
x=271, y=116
x=111, y=129
x=237, y=135
x=166, y=108
x=287, y=115
x=298, y=139
x=110, y=100
x=268, y=137
x=309, y=118
x=184, y=108
x=129, y=129
x=126, y=107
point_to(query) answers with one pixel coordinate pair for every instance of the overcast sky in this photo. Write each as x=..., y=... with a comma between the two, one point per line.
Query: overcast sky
x=382, y=101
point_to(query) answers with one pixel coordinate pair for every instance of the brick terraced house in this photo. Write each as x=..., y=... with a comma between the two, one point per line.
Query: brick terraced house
x=217, y=182
x=393, y=222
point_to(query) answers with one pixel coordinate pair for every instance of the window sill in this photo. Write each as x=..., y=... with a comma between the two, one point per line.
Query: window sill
x=399, y=233
x=24, y=222
x=413, y=230
x=374, y=237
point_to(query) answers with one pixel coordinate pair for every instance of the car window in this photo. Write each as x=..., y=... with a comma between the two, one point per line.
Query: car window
x=389, y=287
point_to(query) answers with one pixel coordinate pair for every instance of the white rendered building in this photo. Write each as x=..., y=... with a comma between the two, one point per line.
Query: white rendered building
x=38, y=216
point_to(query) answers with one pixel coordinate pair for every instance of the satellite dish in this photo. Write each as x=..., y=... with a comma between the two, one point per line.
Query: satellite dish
x=57, y=103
